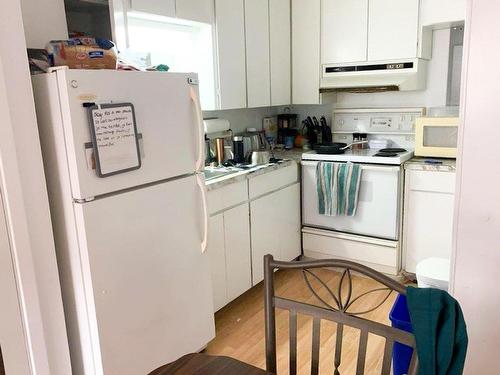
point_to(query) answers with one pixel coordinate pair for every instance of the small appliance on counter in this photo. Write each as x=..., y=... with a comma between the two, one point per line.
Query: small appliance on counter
x=436, y=137
x=286, y=121
x=238, y=150
x=253, y=140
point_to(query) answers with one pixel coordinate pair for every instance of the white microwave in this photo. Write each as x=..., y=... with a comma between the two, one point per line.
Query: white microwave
x=436, y=136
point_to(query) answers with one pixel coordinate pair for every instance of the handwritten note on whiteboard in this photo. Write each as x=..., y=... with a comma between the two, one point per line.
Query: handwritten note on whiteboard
x=114, y=138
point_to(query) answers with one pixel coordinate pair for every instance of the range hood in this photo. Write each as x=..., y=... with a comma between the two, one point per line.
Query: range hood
x=375, y=76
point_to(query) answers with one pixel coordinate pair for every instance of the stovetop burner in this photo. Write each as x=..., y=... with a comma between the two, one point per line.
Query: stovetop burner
x=386, y=154
x=393, y=151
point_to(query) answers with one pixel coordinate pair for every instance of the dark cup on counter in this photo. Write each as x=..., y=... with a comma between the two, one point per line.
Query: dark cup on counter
x=238, y=150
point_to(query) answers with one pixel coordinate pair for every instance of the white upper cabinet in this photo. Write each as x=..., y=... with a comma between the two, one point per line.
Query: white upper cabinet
x=280, y=48
x=442, y=13
x=162, y=8
x=195, y=10
x=392, y=29
x=257, y=53
x=306, y=15
x=230, y=26
x=344, y=25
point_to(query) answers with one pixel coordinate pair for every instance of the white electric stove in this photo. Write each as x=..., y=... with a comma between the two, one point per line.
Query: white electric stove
x=372, y=236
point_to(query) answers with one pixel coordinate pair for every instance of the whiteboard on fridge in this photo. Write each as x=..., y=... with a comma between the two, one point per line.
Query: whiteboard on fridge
x=114, y=138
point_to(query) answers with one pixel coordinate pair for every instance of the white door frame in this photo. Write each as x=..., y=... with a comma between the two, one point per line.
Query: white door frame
x=21, y=261
x=27, y=216
x=14, y=350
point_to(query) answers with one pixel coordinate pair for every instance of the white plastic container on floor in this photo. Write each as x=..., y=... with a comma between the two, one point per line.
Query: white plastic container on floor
x=433, y=273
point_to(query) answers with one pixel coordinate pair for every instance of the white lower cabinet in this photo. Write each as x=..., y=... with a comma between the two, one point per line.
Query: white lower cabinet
x=217, y=254
x=275, y=228
x=238, y=260
x=428, y=217
x=229, y=253
x=252, y=218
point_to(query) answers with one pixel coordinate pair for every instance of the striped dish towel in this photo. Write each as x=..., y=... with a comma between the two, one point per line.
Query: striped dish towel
x=338, y=188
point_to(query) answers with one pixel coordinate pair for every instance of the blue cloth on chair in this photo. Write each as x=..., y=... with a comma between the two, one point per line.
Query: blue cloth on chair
x=338, y=188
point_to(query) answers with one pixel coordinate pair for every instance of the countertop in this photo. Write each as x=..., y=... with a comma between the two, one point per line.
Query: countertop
x=219, y=182
x=422, y=164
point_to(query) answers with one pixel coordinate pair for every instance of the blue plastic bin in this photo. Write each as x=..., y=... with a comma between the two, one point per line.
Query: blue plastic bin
x=400, y=318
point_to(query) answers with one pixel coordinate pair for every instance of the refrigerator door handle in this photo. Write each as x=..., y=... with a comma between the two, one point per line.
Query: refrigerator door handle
x=201, y=184
x=200, y=162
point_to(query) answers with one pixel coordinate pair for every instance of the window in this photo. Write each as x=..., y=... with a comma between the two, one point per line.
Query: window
x=184, y=46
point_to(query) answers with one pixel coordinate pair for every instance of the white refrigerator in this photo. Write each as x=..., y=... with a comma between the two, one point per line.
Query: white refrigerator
x=130, y=246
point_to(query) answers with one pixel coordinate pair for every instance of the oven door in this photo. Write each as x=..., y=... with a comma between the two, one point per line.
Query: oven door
x=378, y=212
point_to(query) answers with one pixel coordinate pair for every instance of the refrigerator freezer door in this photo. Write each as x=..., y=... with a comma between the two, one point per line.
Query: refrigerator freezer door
x=168, y=119
x=142, y=261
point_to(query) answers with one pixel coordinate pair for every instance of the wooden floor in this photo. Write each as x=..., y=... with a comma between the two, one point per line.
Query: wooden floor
x=240, y=326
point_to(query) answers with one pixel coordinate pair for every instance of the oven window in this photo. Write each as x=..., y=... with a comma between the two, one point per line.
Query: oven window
x=440, y=136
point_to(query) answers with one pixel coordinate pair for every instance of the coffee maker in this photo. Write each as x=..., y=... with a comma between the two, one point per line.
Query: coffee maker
x=286, y=122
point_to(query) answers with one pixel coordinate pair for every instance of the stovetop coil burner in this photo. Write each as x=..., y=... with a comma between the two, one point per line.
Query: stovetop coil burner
x=392, y=150
x=389, y=152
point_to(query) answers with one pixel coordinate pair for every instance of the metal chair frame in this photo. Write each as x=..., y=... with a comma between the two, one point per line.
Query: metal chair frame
x=339, y=312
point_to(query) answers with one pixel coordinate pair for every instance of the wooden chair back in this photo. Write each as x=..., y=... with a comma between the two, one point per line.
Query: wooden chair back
x=338, y=312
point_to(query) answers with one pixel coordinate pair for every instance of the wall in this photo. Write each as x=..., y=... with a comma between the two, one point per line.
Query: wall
x=44, y=20
x=433, y=96
x=241, y=119
x=476, y=258
x=26, y=204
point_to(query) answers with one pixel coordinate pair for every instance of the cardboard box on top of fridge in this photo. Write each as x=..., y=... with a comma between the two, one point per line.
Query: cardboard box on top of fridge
x=83, y=53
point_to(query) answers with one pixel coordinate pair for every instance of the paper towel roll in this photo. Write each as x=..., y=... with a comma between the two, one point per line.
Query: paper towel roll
x=216, y=125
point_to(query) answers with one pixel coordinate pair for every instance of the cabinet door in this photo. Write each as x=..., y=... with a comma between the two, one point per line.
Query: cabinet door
x=344, y=27
x=428, y=221
x=238, y=261
x=305, y=51
x=257, y=53
x=280, y=48
x=230, y=24
x=392, y=29
x=195, y=10
x=290, y=223
x=275, y=223
x=216, y=254
x=162, y=8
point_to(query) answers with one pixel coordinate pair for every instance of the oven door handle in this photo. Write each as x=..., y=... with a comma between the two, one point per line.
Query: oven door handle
x=364, y=167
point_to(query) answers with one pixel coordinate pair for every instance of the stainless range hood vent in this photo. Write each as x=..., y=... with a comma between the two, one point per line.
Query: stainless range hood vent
x=360, y=90
x=380, y=76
